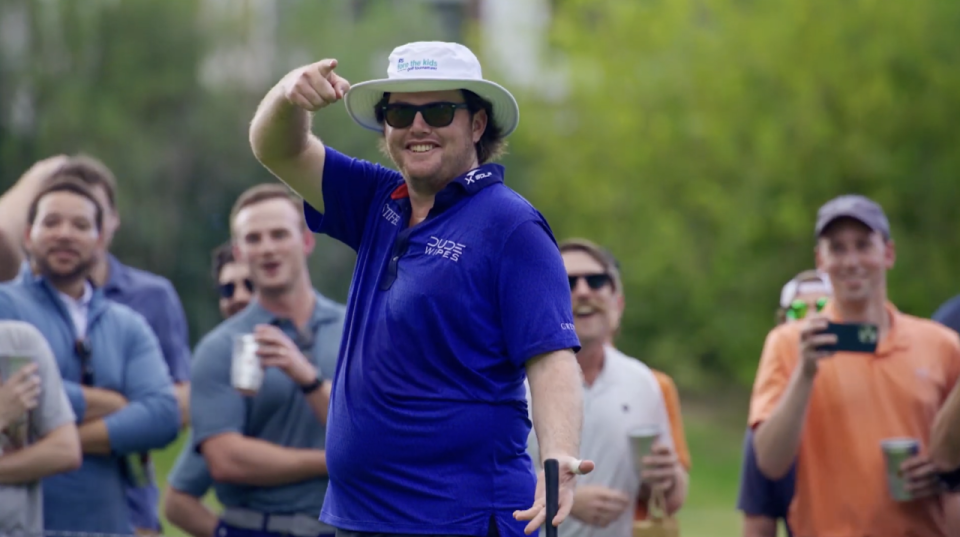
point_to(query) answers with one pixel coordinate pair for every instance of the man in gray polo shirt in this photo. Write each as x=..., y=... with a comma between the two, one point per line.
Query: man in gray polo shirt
x=265, y=452
x=621, y=394
x=38, y=437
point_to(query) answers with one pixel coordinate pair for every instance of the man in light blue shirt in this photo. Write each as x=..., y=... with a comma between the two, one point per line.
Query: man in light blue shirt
x=149, y=294
x=112, y=368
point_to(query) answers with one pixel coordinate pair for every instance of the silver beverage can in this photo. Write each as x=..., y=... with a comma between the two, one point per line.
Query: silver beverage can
x=246, y=373
x=895, y=451
x=641, y=444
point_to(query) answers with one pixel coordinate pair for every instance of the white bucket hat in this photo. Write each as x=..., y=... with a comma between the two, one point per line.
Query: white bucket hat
x=431, y=66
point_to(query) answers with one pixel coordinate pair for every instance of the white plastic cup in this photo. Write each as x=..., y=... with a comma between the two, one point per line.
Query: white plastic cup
x=641, y=444
x=246, y=372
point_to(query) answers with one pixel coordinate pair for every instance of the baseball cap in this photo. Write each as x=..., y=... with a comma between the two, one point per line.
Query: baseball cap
x=857, y=207
x=807, y=281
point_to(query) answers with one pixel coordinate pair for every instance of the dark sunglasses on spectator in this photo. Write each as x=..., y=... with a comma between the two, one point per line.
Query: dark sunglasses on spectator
x=594, y=281
x=82, y=348
x=228, y=289
x=401, y=115
x=798, y=308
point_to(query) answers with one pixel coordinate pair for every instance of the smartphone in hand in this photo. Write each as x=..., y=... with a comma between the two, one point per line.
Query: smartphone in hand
x=852, y=337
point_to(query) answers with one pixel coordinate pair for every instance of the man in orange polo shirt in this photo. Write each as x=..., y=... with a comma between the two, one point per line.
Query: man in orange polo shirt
x=831, y=411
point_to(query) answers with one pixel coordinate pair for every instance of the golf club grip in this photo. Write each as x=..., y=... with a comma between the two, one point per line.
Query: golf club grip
x=551, y=474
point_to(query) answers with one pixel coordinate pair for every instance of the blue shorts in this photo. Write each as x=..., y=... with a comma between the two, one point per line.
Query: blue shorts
x=759, y=495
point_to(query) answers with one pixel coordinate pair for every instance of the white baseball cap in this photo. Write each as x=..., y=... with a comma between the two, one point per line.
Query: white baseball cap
x=431, y=66
x=793, y=288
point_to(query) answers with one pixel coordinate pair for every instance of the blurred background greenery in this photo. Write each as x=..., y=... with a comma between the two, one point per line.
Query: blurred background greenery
x=695, y=138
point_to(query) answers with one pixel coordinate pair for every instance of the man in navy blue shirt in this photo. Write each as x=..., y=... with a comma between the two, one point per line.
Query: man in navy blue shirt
x=146, y=293
x=948, y=314
x=459, y=294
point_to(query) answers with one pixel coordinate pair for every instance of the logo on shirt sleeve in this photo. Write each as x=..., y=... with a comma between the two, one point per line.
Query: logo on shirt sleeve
x=390, y=215
x=445, y=248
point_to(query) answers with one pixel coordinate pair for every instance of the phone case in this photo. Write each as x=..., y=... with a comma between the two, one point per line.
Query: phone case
x=852, y=337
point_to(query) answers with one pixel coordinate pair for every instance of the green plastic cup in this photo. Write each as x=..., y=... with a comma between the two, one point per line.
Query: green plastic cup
x=895, y=451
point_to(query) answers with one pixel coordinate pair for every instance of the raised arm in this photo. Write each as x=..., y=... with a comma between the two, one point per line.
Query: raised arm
x=280, y=132
x=13, y=214
x=781, y=396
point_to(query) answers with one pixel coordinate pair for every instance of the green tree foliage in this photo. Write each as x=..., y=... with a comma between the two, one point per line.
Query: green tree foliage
x=700, y=137
x=163, y=91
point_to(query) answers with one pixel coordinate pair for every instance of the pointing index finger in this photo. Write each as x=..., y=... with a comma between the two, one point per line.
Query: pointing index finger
x=325, y=67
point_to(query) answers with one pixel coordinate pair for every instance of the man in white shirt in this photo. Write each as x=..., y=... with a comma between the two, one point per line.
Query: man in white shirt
x=620, y=394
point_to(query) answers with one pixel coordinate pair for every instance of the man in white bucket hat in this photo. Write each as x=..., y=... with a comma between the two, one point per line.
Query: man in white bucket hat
x=458, y=295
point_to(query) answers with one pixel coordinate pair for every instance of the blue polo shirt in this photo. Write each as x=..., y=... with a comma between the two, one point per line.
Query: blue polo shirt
x=428, y=425
x=155, y=298
x=759, y=495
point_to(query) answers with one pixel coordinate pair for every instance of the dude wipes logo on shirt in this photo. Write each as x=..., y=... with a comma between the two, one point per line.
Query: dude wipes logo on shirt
x=445, y=248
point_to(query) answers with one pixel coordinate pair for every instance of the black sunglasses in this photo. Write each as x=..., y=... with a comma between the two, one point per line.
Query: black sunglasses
x=82, y=348
x=401, y=115
x=228, y=289
x=594, y=281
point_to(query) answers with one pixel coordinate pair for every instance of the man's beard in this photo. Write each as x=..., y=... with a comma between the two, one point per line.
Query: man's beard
x=79, y=272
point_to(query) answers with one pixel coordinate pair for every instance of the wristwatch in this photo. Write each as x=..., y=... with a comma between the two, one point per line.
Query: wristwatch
x=307, y=389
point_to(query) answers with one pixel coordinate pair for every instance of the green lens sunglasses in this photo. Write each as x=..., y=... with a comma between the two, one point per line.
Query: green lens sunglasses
x=798, y=308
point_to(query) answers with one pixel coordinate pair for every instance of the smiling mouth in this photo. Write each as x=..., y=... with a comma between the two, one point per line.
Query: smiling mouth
x=421, y=148
x=63, y=253
x=584, y=311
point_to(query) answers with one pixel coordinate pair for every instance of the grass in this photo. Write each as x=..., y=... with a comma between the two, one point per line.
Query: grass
x=715, y=435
